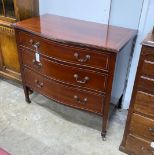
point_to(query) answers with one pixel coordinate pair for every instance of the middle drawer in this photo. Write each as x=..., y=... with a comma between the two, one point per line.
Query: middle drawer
x=64, y=73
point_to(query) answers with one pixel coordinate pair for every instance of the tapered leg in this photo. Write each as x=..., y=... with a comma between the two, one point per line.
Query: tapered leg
x=104, y=126
x=26, y=91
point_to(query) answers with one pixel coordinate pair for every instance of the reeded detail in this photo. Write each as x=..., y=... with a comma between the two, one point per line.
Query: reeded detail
x=7, y=30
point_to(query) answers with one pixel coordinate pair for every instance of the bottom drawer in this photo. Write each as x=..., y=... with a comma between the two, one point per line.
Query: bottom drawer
x=70, y=96
x=136, y=146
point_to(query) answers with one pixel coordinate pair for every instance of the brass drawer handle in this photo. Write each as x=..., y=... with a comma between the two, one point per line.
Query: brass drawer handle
x=85, y=59
x=81, y=101
x=36, y=64
x=38, y=84
x=84, y=81
x=35, y=44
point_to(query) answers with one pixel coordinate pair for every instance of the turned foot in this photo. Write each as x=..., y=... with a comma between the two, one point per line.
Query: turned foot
x=27, y=99
x=104, y=138
x=103, y=134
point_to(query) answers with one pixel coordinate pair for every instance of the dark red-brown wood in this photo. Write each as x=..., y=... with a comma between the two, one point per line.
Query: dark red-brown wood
x=78, y=32
x=77, y=61
x=65, y=73
x=97, y=60
x=64, y=94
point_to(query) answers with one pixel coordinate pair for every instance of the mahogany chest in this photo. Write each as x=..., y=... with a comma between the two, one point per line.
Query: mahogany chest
x=76, y=63
x=139, y=131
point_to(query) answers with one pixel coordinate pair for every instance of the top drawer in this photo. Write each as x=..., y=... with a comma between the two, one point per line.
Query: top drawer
x=59, y=51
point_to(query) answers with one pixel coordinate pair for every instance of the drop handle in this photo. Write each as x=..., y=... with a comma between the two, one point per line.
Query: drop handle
x=35, y=44
x=81, y=101
x=84, y=81
x=36, y=64
x=38, y=84
x=82, y=60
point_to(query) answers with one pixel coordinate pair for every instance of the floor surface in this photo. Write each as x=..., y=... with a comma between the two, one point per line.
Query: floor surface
x=47, y=128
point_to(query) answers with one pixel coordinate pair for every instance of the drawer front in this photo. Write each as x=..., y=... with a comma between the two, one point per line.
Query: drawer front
x=148, y=53
x=142, y=127
x=148, y=69
x=144, y=103
x=70, y=96
x=138, y=146
x=62, y=52
x=66, y=74
x=146, y=85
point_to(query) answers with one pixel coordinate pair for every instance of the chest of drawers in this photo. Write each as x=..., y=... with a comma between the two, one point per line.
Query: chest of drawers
x=139, y=131
x=74, y=62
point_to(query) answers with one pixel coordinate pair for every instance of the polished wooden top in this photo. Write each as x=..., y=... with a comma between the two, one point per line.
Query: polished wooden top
x=78, y=32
